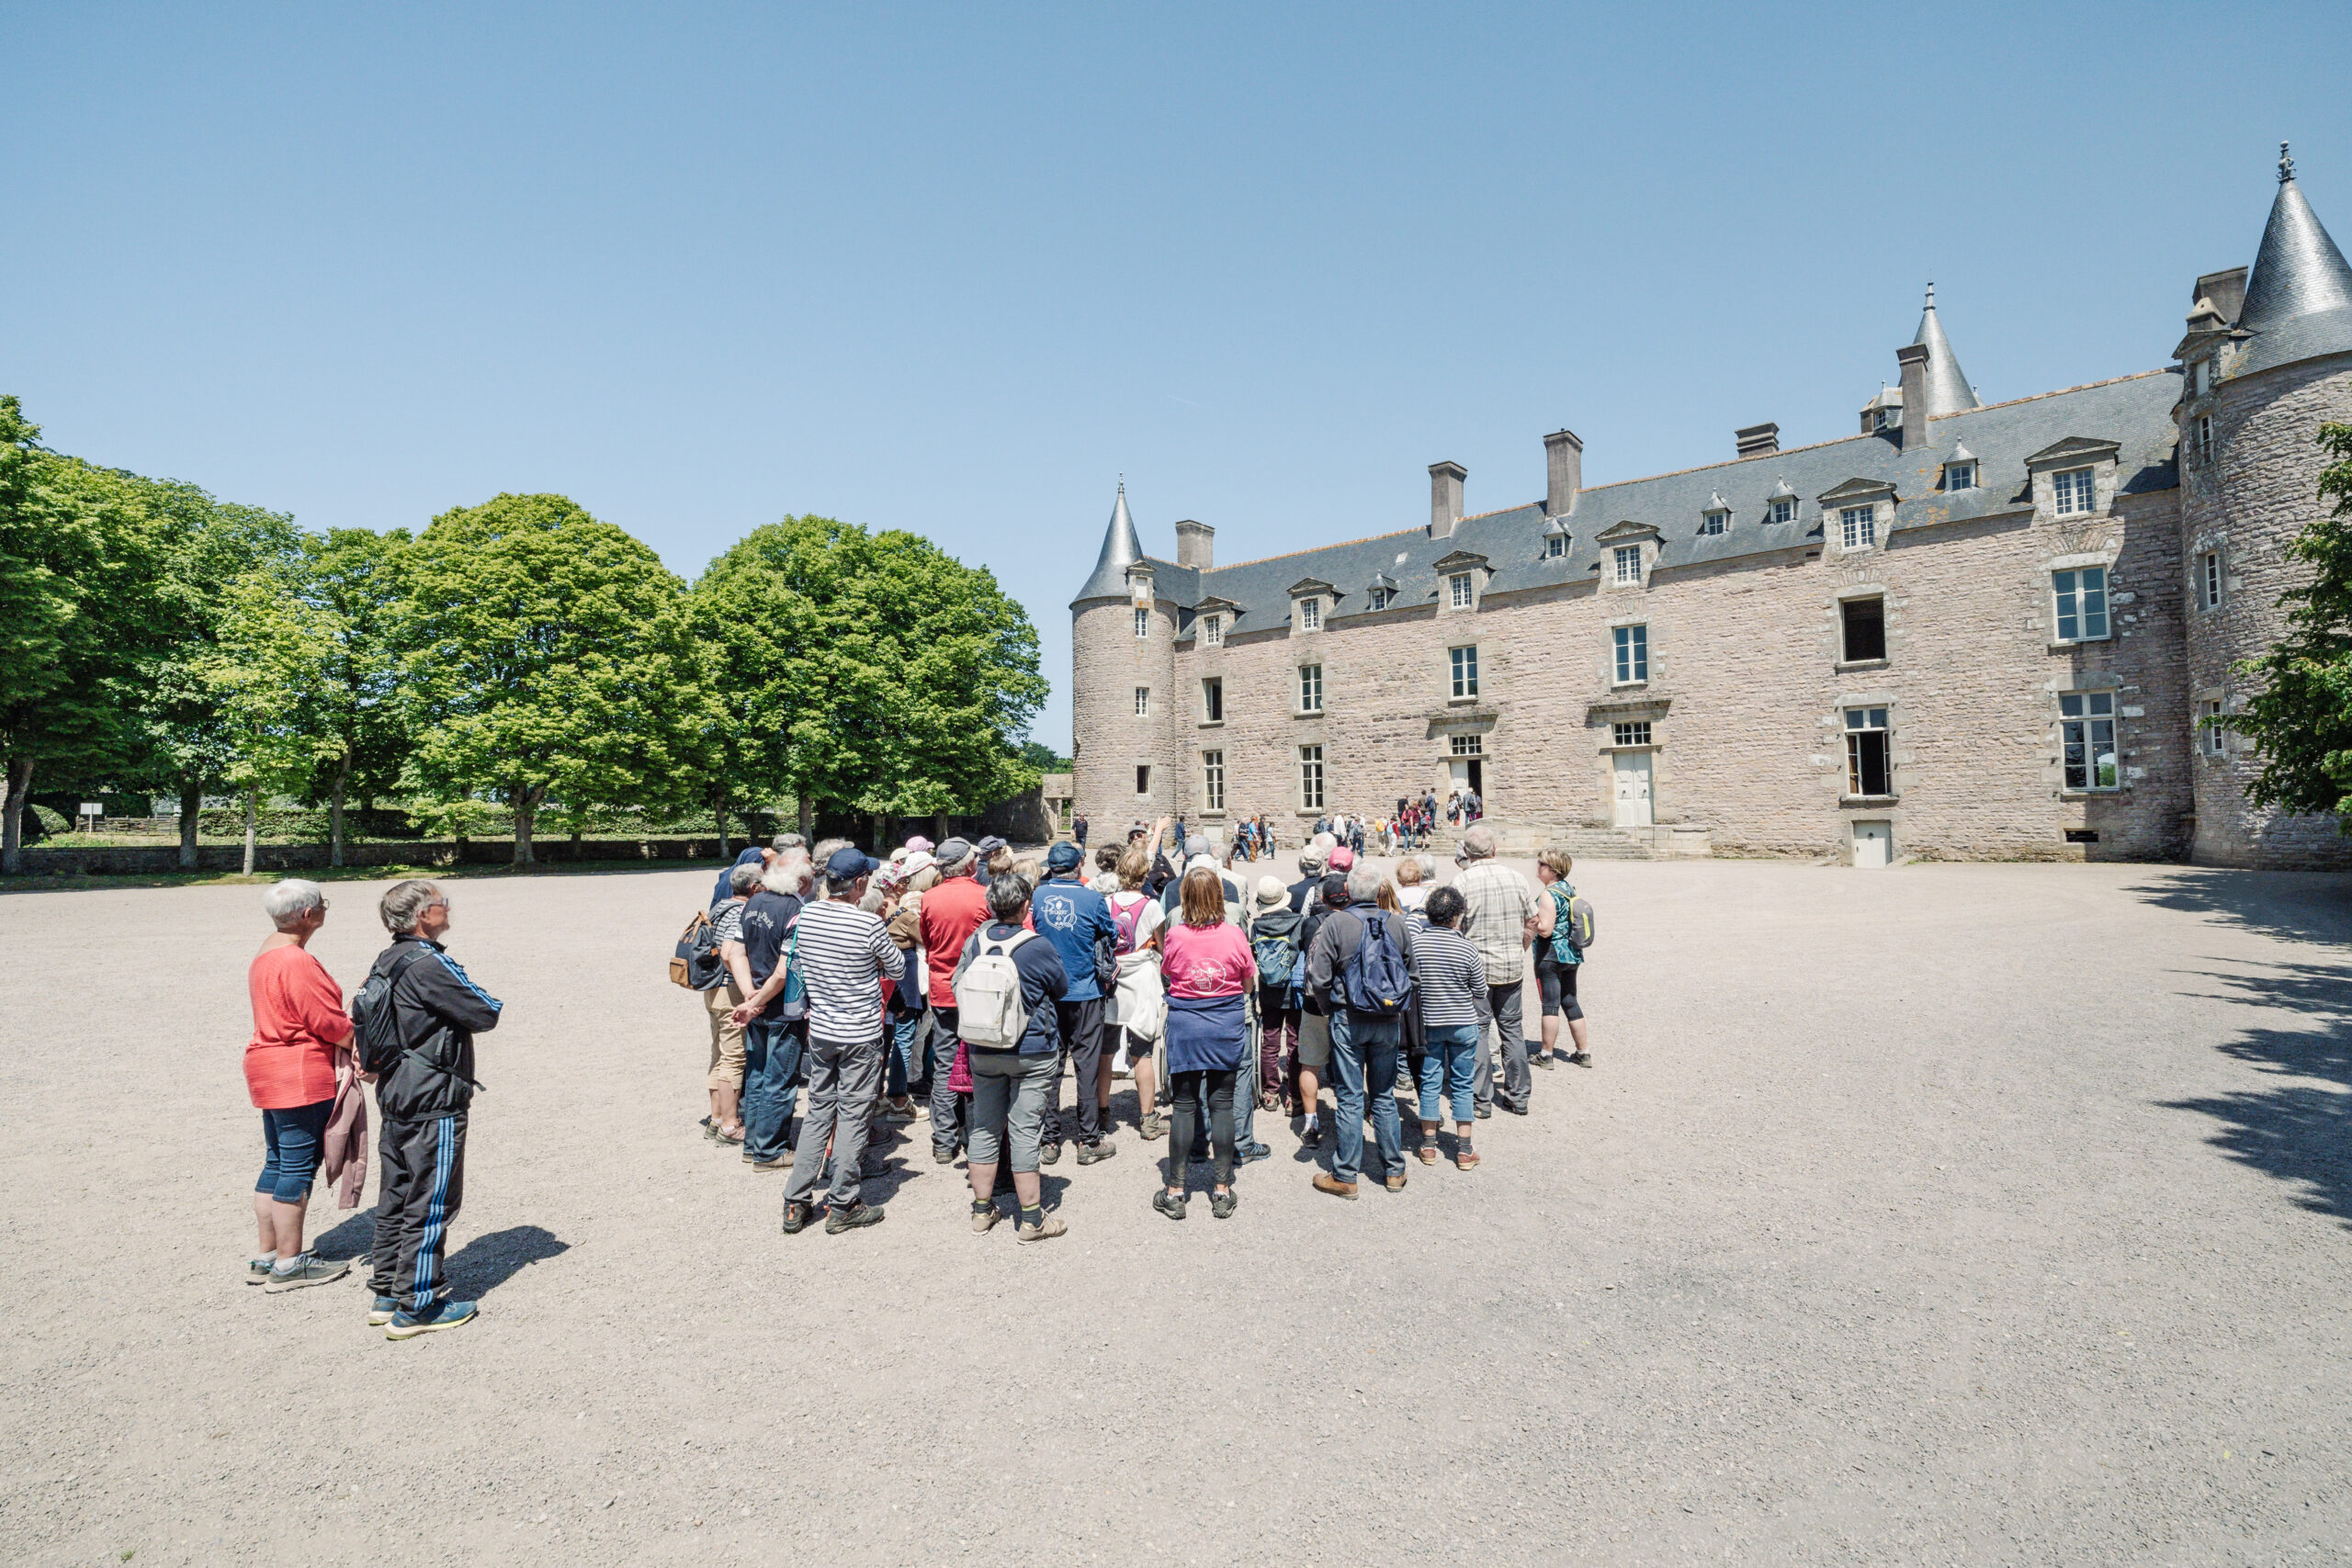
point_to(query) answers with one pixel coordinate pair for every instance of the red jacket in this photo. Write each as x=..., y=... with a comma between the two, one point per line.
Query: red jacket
x=951, y=913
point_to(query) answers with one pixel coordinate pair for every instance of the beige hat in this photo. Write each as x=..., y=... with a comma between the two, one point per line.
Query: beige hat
x=1272, y=892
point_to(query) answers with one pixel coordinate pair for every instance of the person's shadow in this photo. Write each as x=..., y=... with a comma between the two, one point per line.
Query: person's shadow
x=476, y=1269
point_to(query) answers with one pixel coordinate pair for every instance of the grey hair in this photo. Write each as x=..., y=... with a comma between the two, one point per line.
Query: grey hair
x=1429, y=865
x=782, y=842
x=962, y=866
x=1363, y=884
x=745, y=878
x=1008, y=896
x=789, y=875
x=404, y=902
x=287, y=902
x=1479, y=841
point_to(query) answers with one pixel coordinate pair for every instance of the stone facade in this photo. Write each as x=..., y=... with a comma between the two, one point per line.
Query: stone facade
x=1673, y=653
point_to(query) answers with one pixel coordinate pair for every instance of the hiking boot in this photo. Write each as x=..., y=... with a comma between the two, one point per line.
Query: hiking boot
x=1514, y=1103
x=1541, y=1059
x=1485, y=1111
x=1095, y=1153
x=1464, y=1156
x=945, y=1157
x=308, y=1269
x=838, y=1219
x=1243, y=1153
x=1168, y=1204
x=440, y=1314
x=1051, y=1153
x=1327, y=1182
x=1580, y=1059
x=781, y=1162
x=1222, y=1204
x=1396, y=1184
x=1047, y=1227
x=796, y=1215
x=1428, y=1152
x=1152, y=1126
x=898, y=1110
x=984, y=1219
x=382, y=1312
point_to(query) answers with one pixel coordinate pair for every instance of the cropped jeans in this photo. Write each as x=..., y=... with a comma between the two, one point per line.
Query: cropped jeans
x=1450, y=1063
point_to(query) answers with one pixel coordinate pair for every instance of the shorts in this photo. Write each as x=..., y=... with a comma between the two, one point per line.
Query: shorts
x=726, y=1036
x=293, y=1141
x=1314, y=1040
x=1557, y=982
x=1138, y=1048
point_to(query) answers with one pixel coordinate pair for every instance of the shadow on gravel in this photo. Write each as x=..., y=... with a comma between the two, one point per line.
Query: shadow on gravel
x=2297, y=905
x=350, y=1239
x=489, y=1261
x=2299, y=1134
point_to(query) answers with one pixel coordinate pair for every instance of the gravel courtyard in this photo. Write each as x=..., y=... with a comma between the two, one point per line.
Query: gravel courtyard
x=1960, y=1213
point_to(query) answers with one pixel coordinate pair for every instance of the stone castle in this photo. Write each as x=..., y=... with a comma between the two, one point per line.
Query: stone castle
x=1966, y=631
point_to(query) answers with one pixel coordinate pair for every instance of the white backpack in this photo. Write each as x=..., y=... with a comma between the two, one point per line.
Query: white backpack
x=990, y=1013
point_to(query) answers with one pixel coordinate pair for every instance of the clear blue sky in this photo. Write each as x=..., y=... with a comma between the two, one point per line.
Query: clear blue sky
x=955, y=269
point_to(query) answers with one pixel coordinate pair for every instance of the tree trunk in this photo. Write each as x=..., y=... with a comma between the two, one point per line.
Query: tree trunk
x=253, y=814
x=808, y=817
x=191, y=817
x=12, y=831
x=719, y=811
x=526, y=813
x=939, y=833
x=334, y=834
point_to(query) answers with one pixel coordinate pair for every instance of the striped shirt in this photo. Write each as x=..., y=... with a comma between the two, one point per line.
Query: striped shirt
x=844, y=955
x=1500, y=906
x=1450, y=977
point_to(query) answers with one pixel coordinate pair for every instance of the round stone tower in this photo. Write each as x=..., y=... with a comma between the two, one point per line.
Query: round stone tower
x=1122, y=660
x=2266, y=361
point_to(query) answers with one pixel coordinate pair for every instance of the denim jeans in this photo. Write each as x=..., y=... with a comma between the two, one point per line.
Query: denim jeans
x=1450, y=1063
x=898, y=1061
x=1363, y=1060
x=771, y=1080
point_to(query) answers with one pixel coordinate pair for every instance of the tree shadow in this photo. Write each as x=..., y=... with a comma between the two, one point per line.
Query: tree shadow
x=2300, y=906
x=2296, y=1133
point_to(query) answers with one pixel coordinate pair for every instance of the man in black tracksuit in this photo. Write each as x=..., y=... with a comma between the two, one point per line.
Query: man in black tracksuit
x=421, y=1099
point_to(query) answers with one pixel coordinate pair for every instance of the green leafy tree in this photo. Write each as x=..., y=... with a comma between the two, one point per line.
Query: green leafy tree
x=79, y=576
x=873, y=671
x=1042, y=757
x=2301, y=717
x=544, y=655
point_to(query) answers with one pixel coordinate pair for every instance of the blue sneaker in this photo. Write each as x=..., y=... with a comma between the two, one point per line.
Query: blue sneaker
x=406, y=1325
x=383, y=1312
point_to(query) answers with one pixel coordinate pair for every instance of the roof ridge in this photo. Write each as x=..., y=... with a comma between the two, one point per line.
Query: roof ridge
x=2060, y=393
x=1318, y=549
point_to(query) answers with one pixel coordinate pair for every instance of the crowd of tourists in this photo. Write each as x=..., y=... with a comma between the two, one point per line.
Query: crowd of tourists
x=958, y=984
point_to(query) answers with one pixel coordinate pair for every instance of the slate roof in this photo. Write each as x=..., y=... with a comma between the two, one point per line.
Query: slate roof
x=2134, y=411
x=2299, y=295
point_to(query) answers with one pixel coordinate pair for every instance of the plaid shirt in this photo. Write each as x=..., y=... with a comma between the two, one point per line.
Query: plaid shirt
x=1500, y=906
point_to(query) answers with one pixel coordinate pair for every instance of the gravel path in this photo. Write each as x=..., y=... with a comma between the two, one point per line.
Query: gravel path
x=1977, y=1213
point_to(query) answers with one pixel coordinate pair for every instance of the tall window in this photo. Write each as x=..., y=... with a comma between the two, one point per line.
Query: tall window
x=1143, y=624
x=1212, y=780
x=1212, y=699
x=1310, y=688
x=2082, y=604
x=2209, y=580
x=1714, y=522
x=1466, y=670
x=2087, y=735
x=1458, y=585
x=1143, y=702
x=1784, y=509
x=1632, y=732
x=1143, y=778
x=1212, y=630
x=2204, y=437
x=2201, y=377
x=2209, y=728
x=1864, y=621
x=1310, y=778
x=1959, y=476
x=2073, y=490
x=1629, y=563
x=1870, y=765
x=1310, y=614
x=1857, y=527
x=1633, y=649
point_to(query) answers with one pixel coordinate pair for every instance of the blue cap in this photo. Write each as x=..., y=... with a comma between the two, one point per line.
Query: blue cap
x=848, y=866
x=1064, y=856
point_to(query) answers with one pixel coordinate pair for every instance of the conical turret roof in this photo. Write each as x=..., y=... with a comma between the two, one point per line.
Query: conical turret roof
x=1948, y=391
x=1121, y=549
x=2299, y=271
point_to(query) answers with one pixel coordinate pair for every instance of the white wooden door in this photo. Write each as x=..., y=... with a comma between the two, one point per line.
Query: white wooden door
x=1460, y=771
x=1873, y=844
x=1633, y=789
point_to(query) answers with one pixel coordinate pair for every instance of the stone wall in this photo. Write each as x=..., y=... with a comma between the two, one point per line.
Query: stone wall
x=140, y=861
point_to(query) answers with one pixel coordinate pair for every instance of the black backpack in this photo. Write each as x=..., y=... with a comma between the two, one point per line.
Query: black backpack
x=373, y=1030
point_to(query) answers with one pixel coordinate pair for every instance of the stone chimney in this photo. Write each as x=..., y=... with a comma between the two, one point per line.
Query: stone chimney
x=1563, y=471
x=1912, y=359
x=2226, y=289
x=1445, y=498
x=1757, y=440
x=1195, y=545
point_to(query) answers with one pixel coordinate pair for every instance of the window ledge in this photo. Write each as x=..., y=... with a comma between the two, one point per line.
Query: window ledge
x=2057, y=645
x=1628, y=685
x=1212, y=724
x=1869, y=799
x=1306, y=713
x=2096, y=794
x=1845, y=664
x=1470, y=701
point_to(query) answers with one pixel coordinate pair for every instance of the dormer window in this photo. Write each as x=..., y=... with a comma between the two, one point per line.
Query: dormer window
x=1714, y=523
x=1212, y=630
x=1458, y=591
x=1556, y=546
x=1628, y=559
x=1857, y=527
x=1959, y=476
x=2071, y=492
x=1784, y=509
x=1310, y=614
x=1379, y=597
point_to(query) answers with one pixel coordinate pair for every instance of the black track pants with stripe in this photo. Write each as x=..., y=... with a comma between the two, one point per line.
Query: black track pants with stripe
x=420, y=1177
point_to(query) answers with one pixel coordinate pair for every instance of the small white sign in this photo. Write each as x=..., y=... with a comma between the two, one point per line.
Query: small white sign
x=94, y=808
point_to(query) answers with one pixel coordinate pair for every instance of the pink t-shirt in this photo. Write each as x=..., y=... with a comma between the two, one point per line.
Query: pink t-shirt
x=1211, y=962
